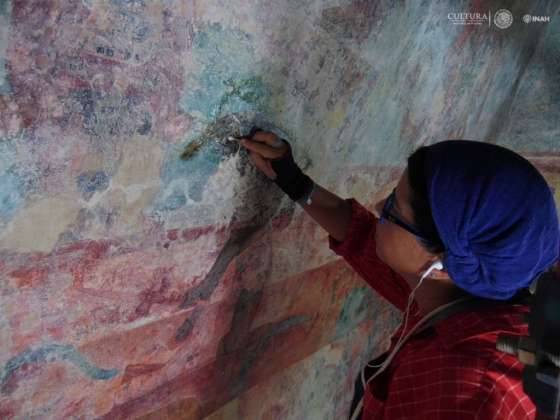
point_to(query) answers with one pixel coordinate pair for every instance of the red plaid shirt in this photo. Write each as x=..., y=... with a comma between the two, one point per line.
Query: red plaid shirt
x=455, y=372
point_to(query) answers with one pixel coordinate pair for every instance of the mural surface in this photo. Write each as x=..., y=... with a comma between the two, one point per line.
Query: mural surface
x=136, y=284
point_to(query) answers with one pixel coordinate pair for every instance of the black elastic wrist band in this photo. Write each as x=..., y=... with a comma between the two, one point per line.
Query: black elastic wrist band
x=289, y=177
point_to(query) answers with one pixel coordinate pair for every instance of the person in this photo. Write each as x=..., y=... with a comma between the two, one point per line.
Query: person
x=456, y=245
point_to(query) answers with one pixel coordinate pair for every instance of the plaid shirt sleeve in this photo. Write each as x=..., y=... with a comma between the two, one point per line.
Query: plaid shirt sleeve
x=358, y=249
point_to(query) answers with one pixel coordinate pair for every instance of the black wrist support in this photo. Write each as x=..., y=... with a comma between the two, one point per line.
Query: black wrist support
x=289, y=176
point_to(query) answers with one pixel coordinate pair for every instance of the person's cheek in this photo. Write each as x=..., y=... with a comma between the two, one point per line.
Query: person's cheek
x=381, y=241
x=379, y=252
x=391, y=247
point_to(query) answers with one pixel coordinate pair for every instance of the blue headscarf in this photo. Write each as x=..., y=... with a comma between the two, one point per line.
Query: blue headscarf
x=495, y=215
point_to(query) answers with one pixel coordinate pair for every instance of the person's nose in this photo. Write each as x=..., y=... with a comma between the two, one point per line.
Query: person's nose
x=378, y=208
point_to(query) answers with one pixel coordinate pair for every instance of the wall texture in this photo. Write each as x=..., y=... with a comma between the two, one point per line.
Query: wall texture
x=137, y=284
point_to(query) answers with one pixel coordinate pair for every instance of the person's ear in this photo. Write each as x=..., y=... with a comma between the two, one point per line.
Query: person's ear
x=437, y=274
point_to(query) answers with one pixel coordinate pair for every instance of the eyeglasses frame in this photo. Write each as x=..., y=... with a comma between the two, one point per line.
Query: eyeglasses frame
x=387, y=215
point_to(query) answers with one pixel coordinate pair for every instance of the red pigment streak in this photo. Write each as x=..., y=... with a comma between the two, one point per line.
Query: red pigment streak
x=172, y=235
x=133, y=371
x=29, y=277
x=198, y=381
x=7, y=413
x=33, y=272
x=74, y=409
x=192, y=234
x=27, y=115
x=92, y=251
x=159, y=296
x=95, y=59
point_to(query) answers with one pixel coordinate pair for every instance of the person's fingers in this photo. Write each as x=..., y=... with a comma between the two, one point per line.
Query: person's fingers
x=262, y=165
x=264, y=150
x=271, y=139
x=267, y=138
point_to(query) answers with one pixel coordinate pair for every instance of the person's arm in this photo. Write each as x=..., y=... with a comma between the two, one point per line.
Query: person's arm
x=351, y=229
x=273, y=156
x=330, y=211
x=351, y=226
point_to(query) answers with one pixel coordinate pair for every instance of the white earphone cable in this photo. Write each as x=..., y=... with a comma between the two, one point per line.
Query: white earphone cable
x=403, y=338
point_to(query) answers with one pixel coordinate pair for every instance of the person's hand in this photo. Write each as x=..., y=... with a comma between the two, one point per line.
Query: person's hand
x=273, y=156
x=263, y=147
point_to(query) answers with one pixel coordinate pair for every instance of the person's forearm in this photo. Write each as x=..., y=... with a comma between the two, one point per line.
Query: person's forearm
x=330, y=211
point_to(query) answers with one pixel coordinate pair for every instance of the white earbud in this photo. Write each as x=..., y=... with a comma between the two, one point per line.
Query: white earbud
x=438, y=265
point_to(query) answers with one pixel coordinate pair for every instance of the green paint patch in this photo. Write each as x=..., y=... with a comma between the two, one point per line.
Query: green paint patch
x=224, y=76
x=251, y=91
x=5, y=7
x=5, y=18
x=49, y=353
x=354, y=311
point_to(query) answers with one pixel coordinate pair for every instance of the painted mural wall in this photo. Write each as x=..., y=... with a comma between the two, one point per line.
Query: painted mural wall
x=137, y=284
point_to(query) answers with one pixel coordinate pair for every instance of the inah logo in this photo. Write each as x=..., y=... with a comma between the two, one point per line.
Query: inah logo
x=529, y=18
x=503, y=18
